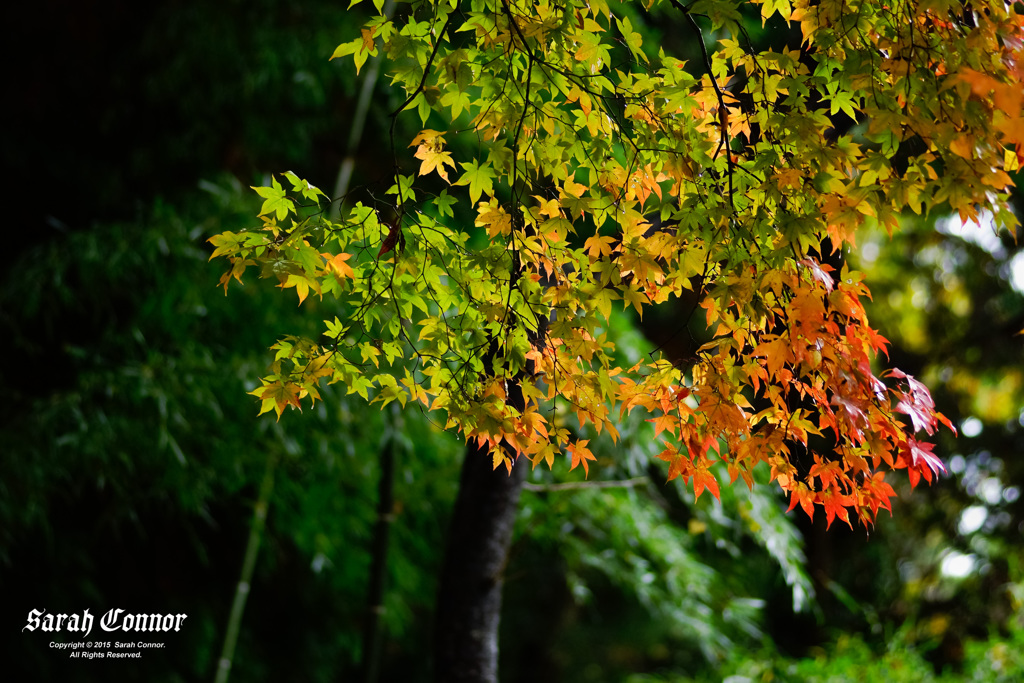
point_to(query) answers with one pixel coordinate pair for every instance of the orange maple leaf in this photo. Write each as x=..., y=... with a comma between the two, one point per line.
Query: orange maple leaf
x=336, y=265
x=581, y=454
x=804, y=496
x=835, y=504
x=703, y=478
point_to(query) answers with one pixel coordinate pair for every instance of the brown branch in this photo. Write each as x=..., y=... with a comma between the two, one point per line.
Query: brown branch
x=577, y=485
x=722, y=111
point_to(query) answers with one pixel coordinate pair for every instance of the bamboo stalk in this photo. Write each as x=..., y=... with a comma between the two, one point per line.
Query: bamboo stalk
x=373, y=635
x=259, y=520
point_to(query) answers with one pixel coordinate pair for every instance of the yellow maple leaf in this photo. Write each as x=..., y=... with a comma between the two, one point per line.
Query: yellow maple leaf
x=430, y=151
x=434, y=160
x=337, y=266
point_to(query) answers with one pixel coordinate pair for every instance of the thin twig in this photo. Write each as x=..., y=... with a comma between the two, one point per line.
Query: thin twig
x=355, y=134
x=723, y=116
x=578, y=485
x=394, y=115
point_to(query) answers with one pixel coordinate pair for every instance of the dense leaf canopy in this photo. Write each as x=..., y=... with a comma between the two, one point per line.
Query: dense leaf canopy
x=566, y=170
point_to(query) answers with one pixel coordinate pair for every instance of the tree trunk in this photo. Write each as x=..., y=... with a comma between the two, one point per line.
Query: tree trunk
x=469, y=595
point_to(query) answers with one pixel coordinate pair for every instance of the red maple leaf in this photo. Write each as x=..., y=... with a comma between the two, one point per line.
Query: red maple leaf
x=921, y=461
x=678, y=464
x=876, y=493
x=917, y=403
x=835, y=504
x=829, y=472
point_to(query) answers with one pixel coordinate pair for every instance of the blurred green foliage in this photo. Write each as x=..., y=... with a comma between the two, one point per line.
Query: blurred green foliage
x=132, y=453
x=849, y=658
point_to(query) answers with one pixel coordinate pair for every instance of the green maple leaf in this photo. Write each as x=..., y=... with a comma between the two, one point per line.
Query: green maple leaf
x=479, y=178
x=445, y=202
x=276, y=202
x=632, y=38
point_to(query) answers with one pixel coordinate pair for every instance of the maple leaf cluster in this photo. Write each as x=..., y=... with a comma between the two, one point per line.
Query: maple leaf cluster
x=597, y=172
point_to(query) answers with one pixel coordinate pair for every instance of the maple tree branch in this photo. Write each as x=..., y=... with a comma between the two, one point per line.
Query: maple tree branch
x=723, y=116
x=355, y=136
x=578, y=485
x=415, y=93
x=426, y=67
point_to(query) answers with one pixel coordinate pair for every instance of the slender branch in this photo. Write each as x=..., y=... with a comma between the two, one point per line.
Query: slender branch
x=426, y=67
x=415, y=93
x=723, y=116
x=578, y=485
x=355, y=134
